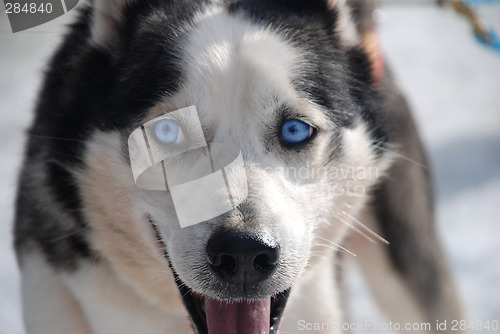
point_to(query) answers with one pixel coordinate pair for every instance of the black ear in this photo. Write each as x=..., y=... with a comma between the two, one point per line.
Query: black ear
x=304, y=6
x=339, y=12
x=106, y=18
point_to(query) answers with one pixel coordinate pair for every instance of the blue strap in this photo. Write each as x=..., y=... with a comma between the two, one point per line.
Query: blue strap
x=495, y=40
x=481, y=2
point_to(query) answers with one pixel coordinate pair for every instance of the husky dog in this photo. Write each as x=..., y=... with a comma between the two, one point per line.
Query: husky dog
x=326, y=143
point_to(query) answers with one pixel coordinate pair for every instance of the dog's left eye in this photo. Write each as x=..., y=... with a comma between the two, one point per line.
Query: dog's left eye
x=295, y=131
x=169, y=132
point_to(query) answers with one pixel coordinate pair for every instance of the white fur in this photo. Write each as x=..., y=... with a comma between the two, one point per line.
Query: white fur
x=390, y=292
x=314, y=299
x=111, y=306
x=45, y=298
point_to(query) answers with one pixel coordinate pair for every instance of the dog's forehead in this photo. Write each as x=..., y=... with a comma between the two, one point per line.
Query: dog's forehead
x=238, y=64
x=241, y=70
x=235, y=67
x=237, y=73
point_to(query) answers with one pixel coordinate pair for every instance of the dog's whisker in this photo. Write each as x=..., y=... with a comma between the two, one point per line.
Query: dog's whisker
x=363, y=234
x=55, y=138
x=401, y=156
x=282, y=295
x=68, y=234
x=366, y=228
x=187, y=293
x=321, y=252
x=340, y=247
x=318, y=257
x=336, y=245
x=335, y=249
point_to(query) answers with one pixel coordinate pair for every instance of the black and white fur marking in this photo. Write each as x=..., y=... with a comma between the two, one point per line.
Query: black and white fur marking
x=91, y=245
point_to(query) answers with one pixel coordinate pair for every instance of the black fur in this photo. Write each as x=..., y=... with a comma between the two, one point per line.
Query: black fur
x=88, y=88
x=339, y=78
x=311, y=27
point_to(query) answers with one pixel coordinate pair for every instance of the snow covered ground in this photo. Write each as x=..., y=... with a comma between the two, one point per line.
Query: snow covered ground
x=453, y=85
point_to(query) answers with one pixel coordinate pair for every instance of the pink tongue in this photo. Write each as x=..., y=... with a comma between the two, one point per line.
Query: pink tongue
x=238, y=318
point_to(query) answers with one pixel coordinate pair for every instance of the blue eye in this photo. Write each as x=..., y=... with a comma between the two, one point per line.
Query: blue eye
x=295, y=131
x=169, y=132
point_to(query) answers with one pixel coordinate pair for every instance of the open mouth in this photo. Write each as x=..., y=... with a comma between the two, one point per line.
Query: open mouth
x=209, y=316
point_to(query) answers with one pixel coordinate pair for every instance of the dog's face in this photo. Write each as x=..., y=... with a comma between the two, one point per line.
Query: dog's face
x=285, y=83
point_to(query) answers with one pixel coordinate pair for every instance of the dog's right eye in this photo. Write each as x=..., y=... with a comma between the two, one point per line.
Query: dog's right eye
x=169, y=132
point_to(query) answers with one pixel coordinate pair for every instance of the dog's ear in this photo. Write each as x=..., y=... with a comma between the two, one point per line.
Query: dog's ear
x=346, y=26
x=106, y=18
x=337, y=11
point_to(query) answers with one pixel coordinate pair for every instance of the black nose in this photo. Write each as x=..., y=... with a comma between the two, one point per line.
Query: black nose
x=242, y=257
